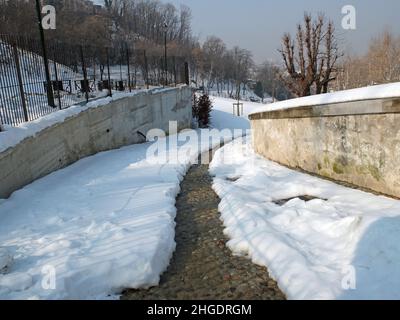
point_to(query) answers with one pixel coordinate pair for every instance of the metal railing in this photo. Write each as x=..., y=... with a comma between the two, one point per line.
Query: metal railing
x=77, y=74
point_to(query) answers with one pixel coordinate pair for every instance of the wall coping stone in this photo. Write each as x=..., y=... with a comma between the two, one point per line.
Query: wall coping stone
x=356, y=107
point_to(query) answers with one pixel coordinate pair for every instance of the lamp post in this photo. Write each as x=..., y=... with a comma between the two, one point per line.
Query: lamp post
x=165, y=54
x=134, y=39
x=50, y=96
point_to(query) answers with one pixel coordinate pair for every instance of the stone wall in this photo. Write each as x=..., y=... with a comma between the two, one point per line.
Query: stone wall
x=94, y=130
x=355, y=142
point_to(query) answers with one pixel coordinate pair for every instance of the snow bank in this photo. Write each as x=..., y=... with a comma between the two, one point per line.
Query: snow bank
x=103, y=224
x=391, y=90
x=311, y=248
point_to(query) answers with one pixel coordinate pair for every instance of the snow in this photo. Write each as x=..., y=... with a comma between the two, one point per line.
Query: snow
x=33, y=75
x=16, y=281
x=391, y=90
x=105, y=223
x=101, y=225
x=98, y=2
x=222, y=115
x=226, y=91
x=5, y=260
x=96, y=222
x=310, y=248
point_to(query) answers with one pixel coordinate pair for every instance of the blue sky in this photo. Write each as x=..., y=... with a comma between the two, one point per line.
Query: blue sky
x=259, y=24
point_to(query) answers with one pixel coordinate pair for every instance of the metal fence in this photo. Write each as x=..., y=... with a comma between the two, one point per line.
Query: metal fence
x=31, y=86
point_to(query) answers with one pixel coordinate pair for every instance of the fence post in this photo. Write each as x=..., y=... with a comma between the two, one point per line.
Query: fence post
x=146, y=69
x=129, y=69
x=135, y=84
x=187, y=79
x=85, y=78
x=174, y=62
x=50, y=95
x=20, y=83
x=56, y=75
x=109, y=75
x=58, y=84
x=165, y=58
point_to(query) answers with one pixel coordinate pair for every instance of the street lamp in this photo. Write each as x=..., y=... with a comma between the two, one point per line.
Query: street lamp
x=134, y=39
x=165, y=54
x=49, y=89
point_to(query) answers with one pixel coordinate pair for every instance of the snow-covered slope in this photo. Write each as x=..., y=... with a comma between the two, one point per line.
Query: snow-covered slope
x=223, y=116
x=33, y=77
x=245, y=95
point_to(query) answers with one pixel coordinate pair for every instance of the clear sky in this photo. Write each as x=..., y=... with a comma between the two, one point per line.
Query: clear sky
x=258, y=25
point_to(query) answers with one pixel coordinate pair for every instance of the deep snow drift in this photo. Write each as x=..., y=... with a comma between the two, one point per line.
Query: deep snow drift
x=318, y=249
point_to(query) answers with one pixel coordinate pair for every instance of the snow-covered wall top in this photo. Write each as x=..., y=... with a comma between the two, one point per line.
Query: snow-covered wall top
x=10, y=136
x=385, y=91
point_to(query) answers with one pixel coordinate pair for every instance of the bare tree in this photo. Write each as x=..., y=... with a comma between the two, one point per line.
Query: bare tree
x=327, y=67
x=380, y=65
x=384, y=58
x=268, y=74
x=213, y=50
x=311, y=59
x=243, y=62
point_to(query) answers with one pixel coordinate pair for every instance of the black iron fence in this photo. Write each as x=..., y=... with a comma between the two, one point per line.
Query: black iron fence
x=75, y=74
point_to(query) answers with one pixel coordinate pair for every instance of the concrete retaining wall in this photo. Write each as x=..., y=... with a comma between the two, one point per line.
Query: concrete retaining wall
x=91, y=131
x=355, y=142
